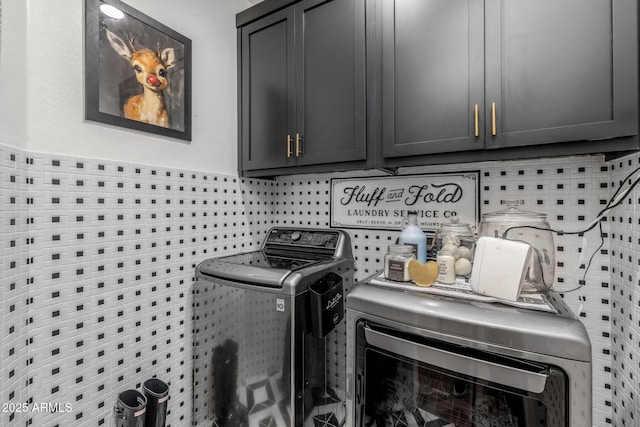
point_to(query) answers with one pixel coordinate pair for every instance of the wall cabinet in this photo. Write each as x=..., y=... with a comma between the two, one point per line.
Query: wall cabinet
x=333, y=85
x=560, y=71
x=302, y=86
x=432, y=76
x=467, y=75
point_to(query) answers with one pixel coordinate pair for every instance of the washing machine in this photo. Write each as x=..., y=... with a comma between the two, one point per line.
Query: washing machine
x=269, y=333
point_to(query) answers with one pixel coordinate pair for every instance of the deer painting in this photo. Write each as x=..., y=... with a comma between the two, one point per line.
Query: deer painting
x=150, y=69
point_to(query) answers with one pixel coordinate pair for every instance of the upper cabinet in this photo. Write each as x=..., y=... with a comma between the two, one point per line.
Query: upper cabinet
x=460, y=75
x=560, y=71
x=302, y=86
x=333, y=85
x=432, y=76
x=268, y=91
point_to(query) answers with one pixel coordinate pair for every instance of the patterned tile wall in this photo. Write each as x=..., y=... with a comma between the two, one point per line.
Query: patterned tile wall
x=570, y=191
x=17, y=286
x=99, y=257
x=625, y=295
x=97, y=297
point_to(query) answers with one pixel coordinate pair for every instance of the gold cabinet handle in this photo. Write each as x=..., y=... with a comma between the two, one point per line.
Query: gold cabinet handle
x=289, y=146
x=298, y=144
x=475, y=117
x=493, y=118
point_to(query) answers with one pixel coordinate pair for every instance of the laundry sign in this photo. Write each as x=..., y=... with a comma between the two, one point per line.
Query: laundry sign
x=383, y=202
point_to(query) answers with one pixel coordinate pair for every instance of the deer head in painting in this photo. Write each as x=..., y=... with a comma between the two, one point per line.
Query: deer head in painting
x=150, y=69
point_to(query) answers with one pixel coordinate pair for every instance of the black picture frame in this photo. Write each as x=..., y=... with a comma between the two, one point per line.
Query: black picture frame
x=111, y=44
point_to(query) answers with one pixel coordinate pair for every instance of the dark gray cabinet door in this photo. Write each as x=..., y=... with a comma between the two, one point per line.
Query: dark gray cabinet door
x=330, y=95
x=432, y=76
x=267, y=86
x=303, y=86
x=560, y=70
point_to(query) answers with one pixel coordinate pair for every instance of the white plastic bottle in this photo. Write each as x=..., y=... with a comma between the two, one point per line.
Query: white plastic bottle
x=446, y=267
x=413, y=235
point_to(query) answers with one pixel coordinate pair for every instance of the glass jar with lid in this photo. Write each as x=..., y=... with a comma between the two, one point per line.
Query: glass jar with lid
x=458, y=234
x=396, y=262
x=529, y=227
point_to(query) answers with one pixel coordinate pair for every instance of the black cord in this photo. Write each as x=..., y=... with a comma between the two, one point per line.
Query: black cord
x=618, y=191
x=584, y=275
x=608, y=207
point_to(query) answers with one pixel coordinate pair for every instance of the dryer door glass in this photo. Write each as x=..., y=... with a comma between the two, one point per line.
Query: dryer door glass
x=407, y=381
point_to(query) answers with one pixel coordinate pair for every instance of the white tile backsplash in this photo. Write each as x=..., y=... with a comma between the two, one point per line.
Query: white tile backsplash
x=99, y=259
x=101, y=256
x=571, y=191
x=625, y=302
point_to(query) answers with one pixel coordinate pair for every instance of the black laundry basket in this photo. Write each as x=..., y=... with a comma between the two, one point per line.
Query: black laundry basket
x=327, y=304
x=130, y=409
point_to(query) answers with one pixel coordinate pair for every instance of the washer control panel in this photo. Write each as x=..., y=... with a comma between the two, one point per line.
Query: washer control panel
x=324, y=239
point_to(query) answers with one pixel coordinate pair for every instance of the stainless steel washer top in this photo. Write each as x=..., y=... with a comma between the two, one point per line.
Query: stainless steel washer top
x=559, y=335
x=285, y=252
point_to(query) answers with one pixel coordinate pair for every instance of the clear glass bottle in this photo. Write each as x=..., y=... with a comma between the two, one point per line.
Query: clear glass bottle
x=413, y=235
x=396, y=262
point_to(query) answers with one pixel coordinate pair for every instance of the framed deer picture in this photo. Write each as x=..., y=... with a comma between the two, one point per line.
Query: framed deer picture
x=137, y=71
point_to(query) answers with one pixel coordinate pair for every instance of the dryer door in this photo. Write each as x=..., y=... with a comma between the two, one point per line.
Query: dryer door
x=411, y=380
